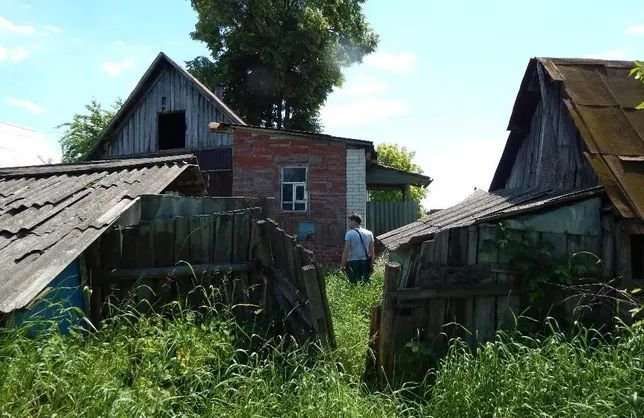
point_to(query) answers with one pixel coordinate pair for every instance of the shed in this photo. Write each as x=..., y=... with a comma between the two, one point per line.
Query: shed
x=50, y=214
x=570, y=180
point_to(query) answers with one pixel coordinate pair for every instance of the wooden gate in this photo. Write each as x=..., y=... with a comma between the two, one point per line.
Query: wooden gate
x=252, y=262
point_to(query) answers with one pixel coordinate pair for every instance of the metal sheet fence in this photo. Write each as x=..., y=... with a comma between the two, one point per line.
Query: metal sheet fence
x=386, y=216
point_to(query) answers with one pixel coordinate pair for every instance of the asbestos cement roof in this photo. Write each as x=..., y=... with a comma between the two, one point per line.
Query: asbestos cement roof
x=481, y=206
x=50, y=214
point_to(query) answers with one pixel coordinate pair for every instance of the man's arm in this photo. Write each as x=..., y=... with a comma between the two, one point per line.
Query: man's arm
x=345, y=254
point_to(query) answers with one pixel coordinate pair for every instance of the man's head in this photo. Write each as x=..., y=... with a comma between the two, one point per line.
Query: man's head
x=355, y=220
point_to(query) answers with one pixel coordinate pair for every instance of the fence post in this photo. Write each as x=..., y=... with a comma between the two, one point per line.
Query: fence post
x=387, y=334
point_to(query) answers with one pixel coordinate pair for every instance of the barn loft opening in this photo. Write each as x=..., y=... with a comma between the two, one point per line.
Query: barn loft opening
x=637, y=256
x=172, y=130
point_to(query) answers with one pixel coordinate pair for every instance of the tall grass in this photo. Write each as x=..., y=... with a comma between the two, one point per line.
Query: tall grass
x=204, y=364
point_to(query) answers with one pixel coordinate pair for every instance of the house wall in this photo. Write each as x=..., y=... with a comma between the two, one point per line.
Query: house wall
x=138, y=133
x=357, y=183
x=257, y=162
x=551, y=154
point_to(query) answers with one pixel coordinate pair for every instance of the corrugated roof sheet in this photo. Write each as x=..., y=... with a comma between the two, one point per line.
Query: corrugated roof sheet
x=50, y=214
x=481, y=206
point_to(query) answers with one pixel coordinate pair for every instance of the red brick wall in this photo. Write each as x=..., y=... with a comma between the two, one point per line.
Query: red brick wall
x=257, y=160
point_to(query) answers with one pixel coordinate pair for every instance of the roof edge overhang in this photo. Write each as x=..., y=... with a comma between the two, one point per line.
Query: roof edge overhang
x=358, y=143
x=380, y=175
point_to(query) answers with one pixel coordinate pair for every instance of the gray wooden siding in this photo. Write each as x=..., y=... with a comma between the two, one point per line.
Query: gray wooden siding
x=138, y=133
x=551, y=155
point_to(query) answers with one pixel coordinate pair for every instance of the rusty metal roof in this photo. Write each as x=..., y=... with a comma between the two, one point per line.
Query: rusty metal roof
x=601, y=98
x=50, y=214
x=481, y=206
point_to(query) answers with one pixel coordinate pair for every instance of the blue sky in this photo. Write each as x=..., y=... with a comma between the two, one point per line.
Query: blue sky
x=442, y=81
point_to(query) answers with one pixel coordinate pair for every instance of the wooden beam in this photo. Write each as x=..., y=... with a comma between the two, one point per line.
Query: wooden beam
x=460, y=292
x=182, y=270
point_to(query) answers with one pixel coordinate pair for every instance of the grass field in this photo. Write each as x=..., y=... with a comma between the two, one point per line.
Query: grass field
x=203, y=365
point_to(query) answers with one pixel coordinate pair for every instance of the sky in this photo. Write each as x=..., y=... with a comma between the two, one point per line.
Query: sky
x=441, y=83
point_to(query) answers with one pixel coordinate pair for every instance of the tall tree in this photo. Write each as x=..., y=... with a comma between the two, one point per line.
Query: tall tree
x=395, y=156
x=83, y=132
x=277, y=60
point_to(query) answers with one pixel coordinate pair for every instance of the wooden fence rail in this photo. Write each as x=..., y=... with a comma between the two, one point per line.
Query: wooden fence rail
x=254, y=262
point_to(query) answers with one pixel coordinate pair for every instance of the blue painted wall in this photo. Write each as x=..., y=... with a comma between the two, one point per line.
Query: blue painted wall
x=60, y=302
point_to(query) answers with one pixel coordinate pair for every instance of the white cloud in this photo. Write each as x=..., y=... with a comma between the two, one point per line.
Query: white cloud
x=115, y=68
x=618, y=54
x=365, y=86
x=52, y=29
x=362, y=111
x=397, y=62
x=635, y=30
x=27, y=105
x=7, y=25
x=24, y=146
x=13, y=55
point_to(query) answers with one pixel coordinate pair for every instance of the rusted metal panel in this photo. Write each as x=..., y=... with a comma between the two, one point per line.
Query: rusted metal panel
x=50, y=214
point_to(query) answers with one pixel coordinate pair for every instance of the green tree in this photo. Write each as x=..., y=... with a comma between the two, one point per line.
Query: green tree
x=638, y=73
x=277, y=60
x=392, y=155
x=83, y=132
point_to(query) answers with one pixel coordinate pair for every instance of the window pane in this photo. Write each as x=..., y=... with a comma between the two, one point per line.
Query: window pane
x=299, y=192
x=294, y=174
x=300, y=206
x=287, y=192
x=287, y=205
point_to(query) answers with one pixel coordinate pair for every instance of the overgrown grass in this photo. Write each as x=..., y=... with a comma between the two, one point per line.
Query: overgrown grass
x=203, y=365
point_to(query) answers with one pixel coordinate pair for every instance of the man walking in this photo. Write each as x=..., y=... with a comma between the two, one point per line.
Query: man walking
x=357, y=257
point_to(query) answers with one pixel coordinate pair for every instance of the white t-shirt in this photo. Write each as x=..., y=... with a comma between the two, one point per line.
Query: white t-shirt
x=356, y=250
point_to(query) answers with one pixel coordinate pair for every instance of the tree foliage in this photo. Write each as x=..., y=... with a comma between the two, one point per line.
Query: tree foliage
x=277, y=60
x=638, y=73
x=395, y=156
x=83, y=132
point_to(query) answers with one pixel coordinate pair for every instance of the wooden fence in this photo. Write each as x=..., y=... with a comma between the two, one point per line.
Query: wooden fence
x=252, y=263
x=458, y=284
x=386, y=216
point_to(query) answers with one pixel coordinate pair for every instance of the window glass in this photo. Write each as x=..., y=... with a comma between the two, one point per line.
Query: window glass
x=300, y=206
x=287, y=205
x=299, y=192
x=294, y=174
x=287, y=192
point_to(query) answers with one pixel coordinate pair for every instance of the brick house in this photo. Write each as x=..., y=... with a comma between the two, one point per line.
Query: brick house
x=313, y=181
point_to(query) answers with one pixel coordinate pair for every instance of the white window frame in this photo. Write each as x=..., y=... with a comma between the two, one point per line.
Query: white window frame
x=296, y=185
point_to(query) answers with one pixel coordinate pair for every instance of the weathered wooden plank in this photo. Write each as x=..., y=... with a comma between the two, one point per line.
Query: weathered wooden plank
x=163, y=243
x=180, y=270
x=181, y=239
x=315, y=302
x=387, y=321
x=201, y=237
x=472, y=244
x=415, y=293
x=223, y=238
x=485, y=318
x=507, y=310
x=457, y=253
x=241, y=234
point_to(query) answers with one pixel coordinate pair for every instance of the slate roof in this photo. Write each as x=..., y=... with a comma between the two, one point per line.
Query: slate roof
x=601, y=98
x=50, y=214
x=481, y=206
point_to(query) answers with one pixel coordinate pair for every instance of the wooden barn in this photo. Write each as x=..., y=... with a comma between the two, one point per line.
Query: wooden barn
x=316, y=180
x=570, y=182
